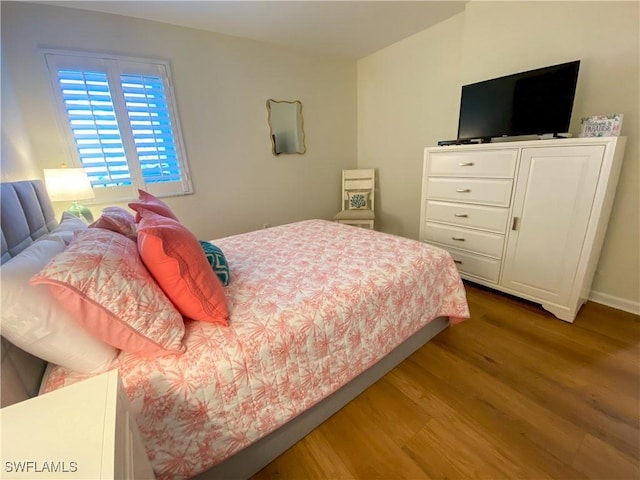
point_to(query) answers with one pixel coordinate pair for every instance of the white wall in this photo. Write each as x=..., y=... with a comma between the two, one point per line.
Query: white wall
x=15, y=153
x=408, y=98
x=221, y=86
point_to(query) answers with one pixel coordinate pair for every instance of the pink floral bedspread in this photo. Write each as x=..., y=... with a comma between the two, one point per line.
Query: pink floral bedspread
x=312, y=305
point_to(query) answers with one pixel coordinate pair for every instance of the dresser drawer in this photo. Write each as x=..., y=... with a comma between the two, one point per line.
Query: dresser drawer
x=465, y=239
x=483, y=217
x=473, y=190
x=475, y=265
x=483, y=163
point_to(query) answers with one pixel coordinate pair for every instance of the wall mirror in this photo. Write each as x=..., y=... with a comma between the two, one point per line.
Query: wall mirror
x=286, y=127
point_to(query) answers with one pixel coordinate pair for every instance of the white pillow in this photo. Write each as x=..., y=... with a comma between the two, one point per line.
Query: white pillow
x=33, y=320
x=67, y=228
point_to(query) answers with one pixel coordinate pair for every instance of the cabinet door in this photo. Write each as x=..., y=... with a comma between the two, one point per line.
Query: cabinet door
x=554, y=193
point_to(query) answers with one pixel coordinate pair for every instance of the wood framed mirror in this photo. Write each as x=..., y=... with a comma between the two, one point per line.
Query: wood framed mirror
x=286, y=127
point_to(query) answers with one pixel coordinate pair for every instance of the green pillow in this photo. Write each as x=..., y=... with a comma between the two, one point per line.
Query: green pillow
x=217, y=261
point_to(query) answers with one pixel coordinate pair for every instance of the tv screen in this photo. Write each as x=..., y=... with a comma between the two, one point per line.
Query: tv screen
x=535, y=102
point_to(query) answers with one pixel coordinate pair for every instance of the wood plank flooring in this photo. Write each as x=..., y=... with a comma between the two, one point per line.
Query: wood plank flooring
x=511, y=393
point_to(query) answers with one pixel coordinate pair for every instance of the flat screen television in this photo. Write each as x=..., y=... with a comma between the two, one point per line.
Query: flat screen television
x=535, y=102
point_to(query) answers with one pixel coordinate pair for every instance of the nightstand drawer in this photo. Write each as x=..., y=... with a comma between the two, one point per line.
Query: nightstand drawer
x=476, y=265
x=470, y=240
x=485, y=163
x=471, y=190
x=493, y=219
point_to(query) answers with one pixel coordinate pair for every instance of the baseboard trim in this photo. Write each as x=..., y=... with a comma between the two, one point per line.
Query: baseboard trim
x=615, y=302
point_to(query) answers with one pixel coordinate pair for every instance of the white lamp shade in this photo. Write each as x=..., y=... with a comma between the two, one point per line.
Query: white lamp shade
x=67, y=184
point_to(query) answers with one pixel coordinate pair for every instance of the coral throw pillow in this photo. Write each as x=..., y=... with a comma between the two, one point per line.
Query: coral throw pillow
x=178, y=263
x=101, y=280
x=151, y=203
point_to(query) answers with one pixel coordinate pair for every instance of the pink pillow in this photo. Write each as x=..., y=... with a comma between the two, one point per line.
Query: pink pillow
x=176, y=260
x=104, y=285
x=151, y=203
x=117, y=220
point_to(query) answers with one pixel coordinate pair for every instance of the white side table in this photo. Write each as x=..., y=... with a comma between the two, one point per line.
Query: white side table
x=83, y=431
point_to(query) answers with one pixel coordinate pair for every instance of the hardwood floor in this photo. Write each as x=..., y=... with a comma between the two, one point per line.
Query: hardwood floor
x=511, y=393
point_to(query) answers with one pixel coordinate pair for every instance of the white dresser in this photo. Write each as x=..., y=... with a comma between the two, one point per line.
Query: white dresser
x=80, y=431
x=526, y=218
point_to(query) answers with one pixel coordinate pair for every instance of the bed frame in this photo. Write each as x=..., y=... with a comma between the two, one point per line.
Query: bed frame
x=26, y=214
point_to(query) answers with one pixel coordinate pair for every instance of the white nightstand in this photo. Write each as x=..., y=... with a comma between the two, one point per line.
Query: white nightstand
x=83, y=431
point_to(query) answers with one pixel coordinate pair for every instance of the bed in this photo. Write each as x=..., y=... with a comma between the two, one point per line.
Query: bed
x=318, y=312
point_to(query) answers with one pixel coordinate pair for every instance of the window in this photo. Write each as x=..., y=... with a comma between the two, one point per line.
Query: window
x=120, y=119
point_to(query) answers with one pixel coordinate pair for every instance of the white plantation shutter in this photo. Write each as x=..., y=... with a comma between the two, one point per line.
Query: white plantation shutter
x=121, y=122
x=150, y=121
x=94, y=126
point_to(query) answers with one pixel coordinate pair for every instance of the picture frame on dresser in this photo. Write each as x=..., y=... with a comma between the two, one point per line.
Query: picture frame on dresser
x=601, y=125
x=527, y=218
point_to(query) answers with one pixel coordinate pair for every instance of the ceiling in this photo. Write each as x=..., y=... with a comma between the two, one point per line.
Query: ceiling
x=351, y=29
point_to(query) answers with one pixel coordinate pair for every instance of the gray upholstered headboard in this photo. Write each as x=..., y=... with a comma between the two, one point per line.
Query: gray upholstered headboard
x=26, y=214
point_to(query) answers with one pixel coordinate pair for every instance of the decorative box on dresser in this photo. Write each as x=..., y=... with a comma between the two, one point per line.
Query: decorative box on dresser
x=526, y=218
x=83, y=431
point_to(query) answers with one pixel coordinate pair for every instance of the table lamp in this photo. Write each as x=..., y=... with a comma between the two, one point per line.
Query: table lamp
x=70, y=184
